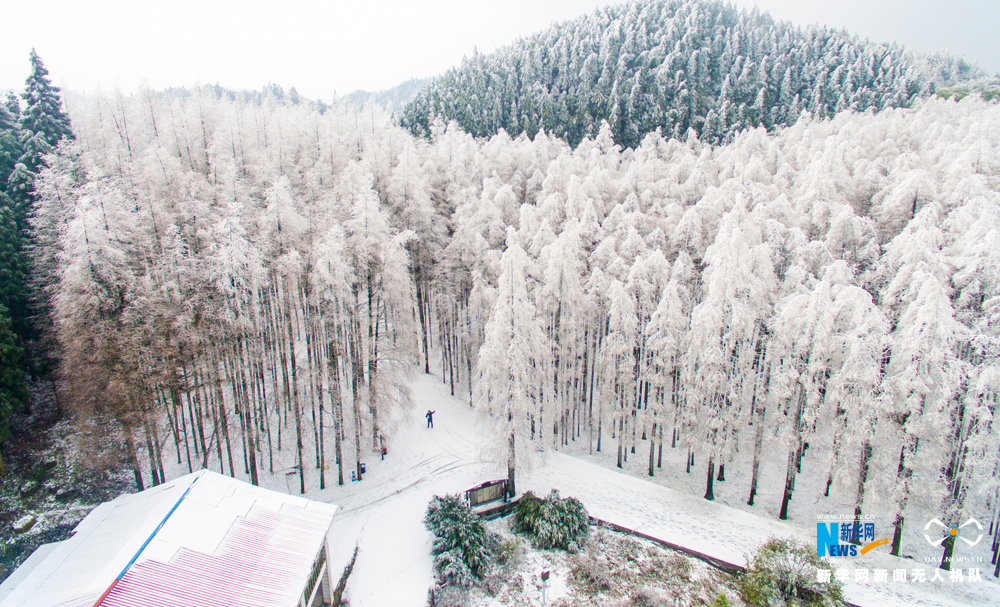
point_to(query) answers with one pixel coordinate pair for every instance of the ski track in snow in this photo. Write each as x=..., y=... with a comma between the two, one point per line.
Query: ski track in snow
x=383, y=513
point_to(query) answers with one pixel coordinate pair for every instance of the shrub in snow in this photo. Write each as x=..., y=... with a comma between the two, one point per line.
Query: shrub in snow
x=677, y=568
x=510, y=551
x=720, y=601
x=453, y=571
x=592, y=571
x=462, y=544
x=526, y=513
x=647, y=597
x=552, y=522
x=447, y=596
x=784, y=572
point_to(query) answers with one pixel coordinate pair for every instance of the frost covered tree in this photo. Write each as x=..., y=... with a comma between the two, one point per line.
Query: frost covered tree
x=508, y=370
x=726, y=327
x=617, y=360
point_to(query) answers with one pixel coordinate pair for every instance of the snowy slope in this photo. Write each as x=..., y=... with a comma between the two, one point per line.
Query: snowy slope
x=384, y=511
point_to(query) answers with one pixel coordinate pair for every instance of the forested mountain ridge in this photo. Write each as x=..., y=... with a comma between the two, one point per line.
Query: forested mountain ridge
x=675, y=65
x=396, y=97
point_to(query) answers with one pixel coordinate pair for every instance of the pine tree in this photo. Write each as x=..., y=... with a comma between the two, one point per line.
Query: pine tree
x=43, y=115
x=13, y=269
x=10, y=139
x=13, y=392
x=43, y=124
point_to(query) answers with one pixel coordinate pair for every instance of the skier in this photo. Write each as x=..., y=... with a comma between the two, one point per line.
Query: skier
x=385, y=448
x=430, y=418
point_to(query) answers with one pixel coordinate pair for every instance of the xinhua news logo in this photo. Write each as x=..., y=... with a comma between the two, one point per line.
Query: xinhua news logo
x=843, y=539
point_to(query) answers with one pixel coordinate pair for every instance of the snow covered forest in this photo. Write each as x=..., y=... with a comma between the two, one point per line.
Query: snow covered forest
x=676, y=65
x=227, y=279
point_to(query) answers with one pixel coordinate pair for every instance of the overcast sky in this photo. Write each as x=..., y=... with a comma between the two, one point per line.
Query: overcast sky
x=323, y=47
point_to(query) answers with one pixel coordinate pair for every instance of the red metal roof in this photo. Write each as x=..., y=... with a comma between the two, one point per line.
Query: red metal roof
x=263, y=561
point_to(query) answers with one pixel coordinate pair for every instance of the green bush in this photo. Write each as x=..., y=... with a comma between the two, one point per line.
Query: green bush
x=509, y=551
x=463, y=547
x=784, y=572
x=720, y=601
x=552, y=522
x=527, y=511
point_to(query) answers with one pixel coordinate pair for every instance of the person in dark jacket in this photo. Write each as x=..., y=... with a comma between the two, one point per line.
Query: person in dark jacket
x=430, y=418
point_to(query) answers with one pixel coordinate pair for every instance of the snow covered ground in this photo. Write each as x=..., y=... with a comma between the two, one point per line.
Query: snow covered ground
x=383, y=514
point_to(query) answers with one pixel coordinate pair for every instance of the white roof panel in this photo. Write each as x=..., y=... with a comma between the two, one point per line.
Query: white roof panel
x=240, y=544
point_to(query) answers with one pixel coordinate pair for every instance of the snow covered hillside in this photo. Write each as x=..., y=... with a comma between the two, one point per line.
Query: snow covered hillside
x=383, y=513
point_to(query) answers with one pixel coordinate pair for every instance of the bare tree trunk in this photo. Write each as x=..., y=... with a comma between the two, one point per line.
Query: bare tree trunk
x=356, y=383
x=172, y=420
x=659, y=449
x=223, y=419
x=755, y=466
x=866, y=454
x=756, y=416
x=787, y=495
x=511, y=490
x=290, y=325
x=709, y=489
x=652, y=450
x=897, y=524
x=424, y=341
x=159, y=452
x=373, y=378
x=234, y=386
x=133, y=460
x=244, y=360
x=191, y=415
x=621, y=432
x=150, y=451
x=179, y=411
x=337, y=408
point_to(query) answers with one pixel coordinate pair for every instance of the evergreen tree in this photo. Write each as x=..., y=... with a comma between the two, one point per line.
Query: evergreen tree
x=43, y=124
x=43, y=119
x=13, y=269
x=13, y=392
x=10, y=139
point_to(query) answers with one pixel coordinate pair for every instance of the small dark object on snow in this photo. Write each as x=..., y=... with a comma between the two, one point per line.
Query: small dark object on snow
x=430, y=418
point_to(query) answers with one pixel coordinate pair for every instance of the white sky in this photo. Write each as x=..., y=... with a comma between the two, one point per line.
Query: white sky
x=327, y=46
